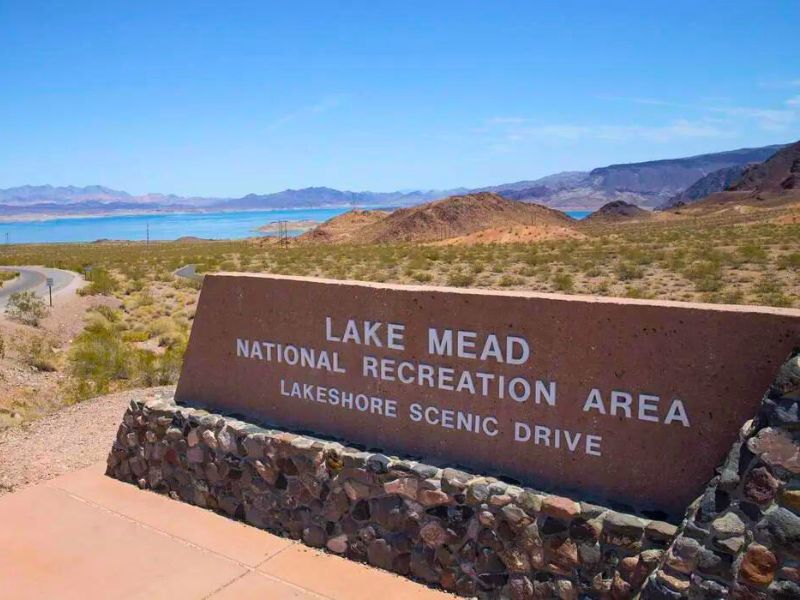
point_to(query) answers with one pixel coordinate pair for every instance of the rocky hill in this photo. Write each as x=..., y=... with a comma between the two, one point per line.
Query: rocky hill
x=619, y=210
x=781, y=172
x=716, y=181
x=343, y=228
x=452, y=217
x=775, y=183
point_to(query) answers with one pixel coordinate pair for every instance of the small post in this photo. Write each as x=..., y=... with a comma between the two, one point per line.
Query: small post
x=50, y=288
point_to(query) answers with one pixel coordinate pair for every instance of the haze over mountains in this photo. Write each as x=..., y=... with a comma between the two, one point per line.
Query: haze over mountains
x=652, y=184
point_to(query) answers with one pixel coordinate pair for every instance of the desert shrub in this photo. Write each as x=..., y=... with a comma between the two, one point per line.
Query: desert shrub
x=636, y=292
x=563, y=282
x=7, y=276
x=26, y=307
x=2, y=347
x=421, y=276
x=37, y=352
x=146, y=367
x=108, y=313
x=161, y=326
x=627, y=271
x=510, y=280
x=102, y=283
x=134, y=336
x=591, y=270
x=789, y=261
x=706, y=275
x=98, y=357
x=731, y=297
x=752, y=252
x=192, y=284
x=771, y=293
x=144, y=298
x=460, y=279
x=477, y=267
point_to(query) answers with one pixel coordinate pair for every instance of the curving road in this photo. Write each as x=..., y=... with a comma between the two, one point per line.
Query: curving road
x=188, y=272
x=35, y=278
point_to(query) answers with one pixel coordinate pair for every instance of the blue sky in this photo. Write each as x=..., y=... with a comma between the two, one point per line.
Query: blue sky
x=227, y=98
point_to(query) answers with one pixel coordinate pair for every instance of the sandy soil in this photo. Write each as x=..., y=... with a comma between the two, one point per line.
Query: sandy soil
x=519, y=233
x=72, y=438
x=28, y=393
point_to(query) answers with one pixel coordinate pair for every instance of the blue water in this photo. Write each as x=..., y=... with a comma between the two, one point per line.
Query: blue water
x=213, y=225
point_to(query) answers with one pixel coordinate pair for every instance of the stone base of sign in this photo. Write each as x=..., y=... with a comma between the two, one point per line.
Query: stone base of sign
x=473, y=535
x=741, y=538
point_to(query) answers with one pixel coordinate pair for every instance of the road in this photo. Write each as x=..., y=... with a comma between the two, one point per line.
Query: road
x=189, y=272
x=35, y=278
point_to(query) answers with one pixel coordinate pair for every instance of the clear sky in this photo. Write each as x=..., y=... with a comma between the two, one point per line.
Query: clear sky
x=226, y=98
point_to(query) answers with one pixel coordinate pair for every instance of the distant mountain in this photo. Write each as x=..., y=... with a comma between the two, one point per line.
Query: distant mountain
x=563, y=180
x=72, y=196
x=35, y=194
x=780, y=173
x=324, y=196
x=646, y=184
x=715, y=181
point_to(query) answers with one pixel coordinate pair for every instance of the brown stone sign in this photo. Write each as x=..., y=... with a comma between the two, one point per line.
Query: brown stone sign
x=624, y=401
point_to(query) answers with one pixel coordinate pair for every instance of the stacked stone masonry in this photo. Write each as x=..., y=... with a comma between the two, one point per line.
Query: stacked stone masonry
x=471, y=535
x=741, y=538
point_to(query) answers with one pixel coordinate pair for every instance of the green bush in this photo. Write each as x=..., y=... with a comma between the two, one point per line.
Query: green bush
x=421, y=276
x=627, y=271
x=26, y=307
x=460, y=279
x=38, y=353
x=789, y=261
x=510, y=280
x=7, y=276
x=102, y=283
x=563, y=282
x=98, y=357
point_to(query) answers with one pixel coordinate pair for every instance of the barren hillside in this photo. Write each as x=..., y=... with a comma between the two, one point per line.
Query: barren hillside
x=781, y=172
x=618, y=211
x=459, y=216
x=343, y=228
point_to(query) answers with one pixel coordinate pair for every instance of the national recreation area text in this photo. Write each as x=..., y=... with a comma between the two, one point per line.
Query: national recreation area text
x=489, y=351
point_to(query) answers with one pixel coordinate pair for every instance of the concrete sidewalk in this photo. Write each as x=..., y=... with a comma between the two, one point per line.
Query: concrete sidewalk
x=84, y=535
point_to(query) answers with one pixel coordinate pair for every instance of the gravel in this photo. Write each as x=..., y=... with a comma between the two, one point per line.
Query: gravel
x=72, y=438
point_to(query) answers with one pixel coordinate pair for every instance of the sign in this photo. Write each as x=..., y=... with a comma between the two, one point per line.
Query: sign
x=620, y=401
x=49, y=282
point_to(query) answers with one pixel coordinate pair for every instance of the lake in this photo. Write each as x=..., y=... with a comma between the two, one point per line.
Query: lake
x=211, y=225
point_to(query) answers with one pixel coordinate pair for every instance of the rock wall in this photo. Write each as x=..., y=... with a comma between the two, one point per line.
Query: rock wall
x=741, y=538
x=473, y=535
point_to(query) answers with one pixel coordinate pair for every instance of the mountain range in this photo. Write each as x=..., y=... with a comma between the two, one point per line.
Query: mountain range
x=652, y=184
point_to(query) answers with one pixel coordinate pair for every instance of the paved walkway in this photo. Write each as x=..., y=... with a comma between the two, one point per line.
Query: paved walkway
x=84, y=535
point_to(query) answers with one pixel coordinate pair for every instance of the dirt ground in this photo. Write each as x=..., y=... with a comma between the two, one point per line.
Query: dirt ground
x=29, y=391
x=71, y=438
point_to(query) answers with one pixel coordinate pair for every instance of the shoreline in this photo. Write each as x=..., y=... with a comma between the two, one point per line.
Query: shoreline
x=27, y=218
x=47, y=217
x=302, y=225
